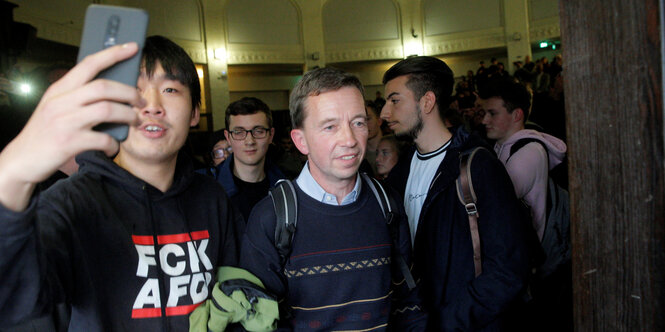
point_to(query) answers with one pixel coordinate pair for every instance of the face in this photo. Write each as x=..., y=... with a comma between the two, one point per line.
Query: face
x=497, y=120
x=402, y=112
x=287, y=143
x=333, y=136
x=164, y=121
x=373, y=124
x=386, y=157
x=249, y=151
x=221, y=151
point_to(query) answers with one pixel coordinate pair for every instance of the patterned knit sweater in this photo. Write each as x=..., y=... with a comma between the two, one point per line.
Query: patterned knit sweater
x=339, y=275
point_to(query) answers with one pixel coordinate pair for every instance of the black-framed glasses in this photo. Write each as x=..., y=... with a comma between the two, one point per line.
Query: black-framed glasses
x=241, y=134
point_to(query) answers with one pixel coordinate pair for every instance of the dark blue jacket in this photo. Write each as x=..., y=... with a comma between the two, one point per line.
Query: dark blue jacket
x=443, y=254
x=224, y=175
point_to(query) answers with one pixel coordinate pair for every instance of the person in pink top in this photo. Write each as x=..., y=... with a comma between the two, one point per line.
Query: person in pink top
x=507, y=104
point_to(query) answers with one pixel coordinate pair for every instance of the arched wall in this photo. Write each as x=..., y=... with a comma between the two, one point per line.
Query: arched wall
x=307, y=33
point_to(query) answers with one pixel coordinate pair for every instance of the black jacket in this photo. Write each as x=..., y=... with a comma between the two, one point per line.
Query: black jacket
x=443, y=254
x=124, y=255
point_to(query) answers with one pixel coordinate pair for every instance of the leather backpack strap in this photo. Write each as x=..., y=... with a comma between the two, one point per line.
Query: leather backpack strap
x=467, y=197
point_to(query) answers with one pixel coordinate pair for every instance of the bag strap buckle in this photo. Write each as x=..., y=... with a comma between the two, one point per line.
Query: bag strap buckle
x=471, y=209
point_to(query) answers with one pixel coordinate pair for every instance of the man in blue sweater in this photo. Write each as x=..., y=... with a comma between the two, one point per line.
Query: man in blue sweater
x=340, y=274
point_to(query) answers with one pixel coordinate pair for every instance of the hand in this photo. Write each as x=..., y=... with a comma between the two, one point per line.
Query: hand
x=61, y=126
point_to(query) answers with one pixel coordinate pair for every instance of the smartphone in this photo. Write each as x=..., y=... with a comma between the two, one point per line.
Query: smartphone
x=106, y=26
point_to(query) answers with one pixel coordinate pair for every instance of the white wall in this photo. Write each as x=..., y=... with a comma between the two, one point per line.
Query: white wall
x=352, y=20
x=450, y=16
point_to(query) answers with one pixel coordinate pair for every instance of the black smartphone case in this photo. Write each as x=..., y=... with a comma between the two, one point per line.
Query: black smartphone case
x=106, y=26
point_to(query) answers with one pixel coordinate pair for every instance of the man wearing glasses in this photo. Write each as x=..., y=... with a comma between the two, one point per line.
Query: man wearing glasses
x=246, y=175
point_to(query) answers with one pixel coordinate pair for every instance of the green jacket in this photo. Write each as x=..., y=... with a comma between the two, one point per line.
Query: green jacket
x=238, y=297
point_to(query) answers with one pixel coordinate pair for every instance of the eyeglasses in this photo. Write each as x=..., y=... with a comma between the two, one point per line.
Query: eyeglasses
x=241, y=134
x=221, y=152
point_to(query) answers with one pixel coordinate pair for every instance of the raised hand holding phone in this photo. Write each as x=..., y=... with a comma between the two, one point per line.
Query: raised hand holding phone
x=107, y=26
x=61, y=125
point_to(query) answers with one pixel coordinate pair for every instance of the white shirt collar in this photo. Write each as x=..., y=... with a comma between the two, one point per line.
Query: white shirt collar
x=308, y=184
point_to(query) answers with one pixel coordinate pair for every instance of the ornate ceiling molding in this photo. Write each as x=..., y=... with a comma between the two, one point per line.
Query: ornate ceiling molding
x=465, y=41
x=544, y=29
x=258, y=54
x=197, y=54
x=360, y=52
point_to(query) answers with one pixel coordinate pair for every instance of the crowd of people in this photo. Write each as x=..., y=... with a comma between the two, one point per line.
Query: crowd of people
x=543, y=78
x=136, y=237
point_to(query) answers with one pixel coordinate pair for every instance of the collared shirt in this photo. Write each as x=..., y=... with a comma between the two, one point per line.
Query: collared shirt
x=312, y=188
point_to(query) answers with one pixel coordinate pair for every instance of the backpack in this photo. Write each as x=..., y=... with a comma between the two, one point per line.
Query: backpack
x=467, y=197
x=285, y=203
x=556, y=237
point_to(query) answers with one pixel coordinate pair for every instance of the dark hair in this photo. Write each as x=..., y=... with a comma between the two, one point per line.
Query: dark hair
x=374, y=107
x=425, y=74
x=453, y=116
x=247, y=106
x=214, y=137
x=176, y=64
x=314, y=83
x=513, y=93
x=400, y=146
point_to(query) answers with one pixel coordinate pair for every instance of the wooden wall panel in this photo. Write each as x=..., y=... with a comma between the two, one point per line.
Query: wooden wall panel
x=614, y=108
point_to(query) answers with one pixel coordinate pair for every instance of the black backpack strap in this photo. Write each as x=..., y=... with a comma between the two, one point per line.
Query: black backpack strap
x=286, y=210
x=388, y=205
x=382, y=197
x=520, y=143
x=467, y=197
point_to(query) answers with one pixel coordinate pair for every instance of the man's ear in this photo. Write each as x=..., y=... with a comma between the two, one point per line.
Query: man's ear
x=196, y=116
x=298, y=137
x=428, y=102
x=271, y=135
x=227, y=134
x=518, y=115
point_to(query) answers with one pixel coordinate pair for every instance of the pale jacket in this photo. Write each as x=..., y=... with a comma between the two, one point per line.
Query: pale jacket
x=528, y=169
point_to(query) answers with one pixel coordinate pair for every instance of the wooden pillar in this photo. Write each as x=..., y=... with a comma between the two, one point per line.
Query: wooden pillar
x=614, y=107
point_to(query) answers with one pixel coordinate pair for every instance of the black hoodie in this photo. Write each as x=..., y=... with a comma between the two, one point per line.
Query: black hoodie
x=124, y=255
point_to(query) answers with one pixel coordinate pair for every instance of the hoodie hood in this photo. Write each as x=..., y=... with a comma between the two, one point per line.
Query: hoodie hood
x=556, y=148
x=97, y=163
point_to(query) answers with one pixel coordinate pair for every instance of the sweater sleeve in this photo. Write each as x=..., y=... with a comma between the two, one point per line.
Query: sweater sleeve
x=23, y=289
x=258, y=253
x=505, y=264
